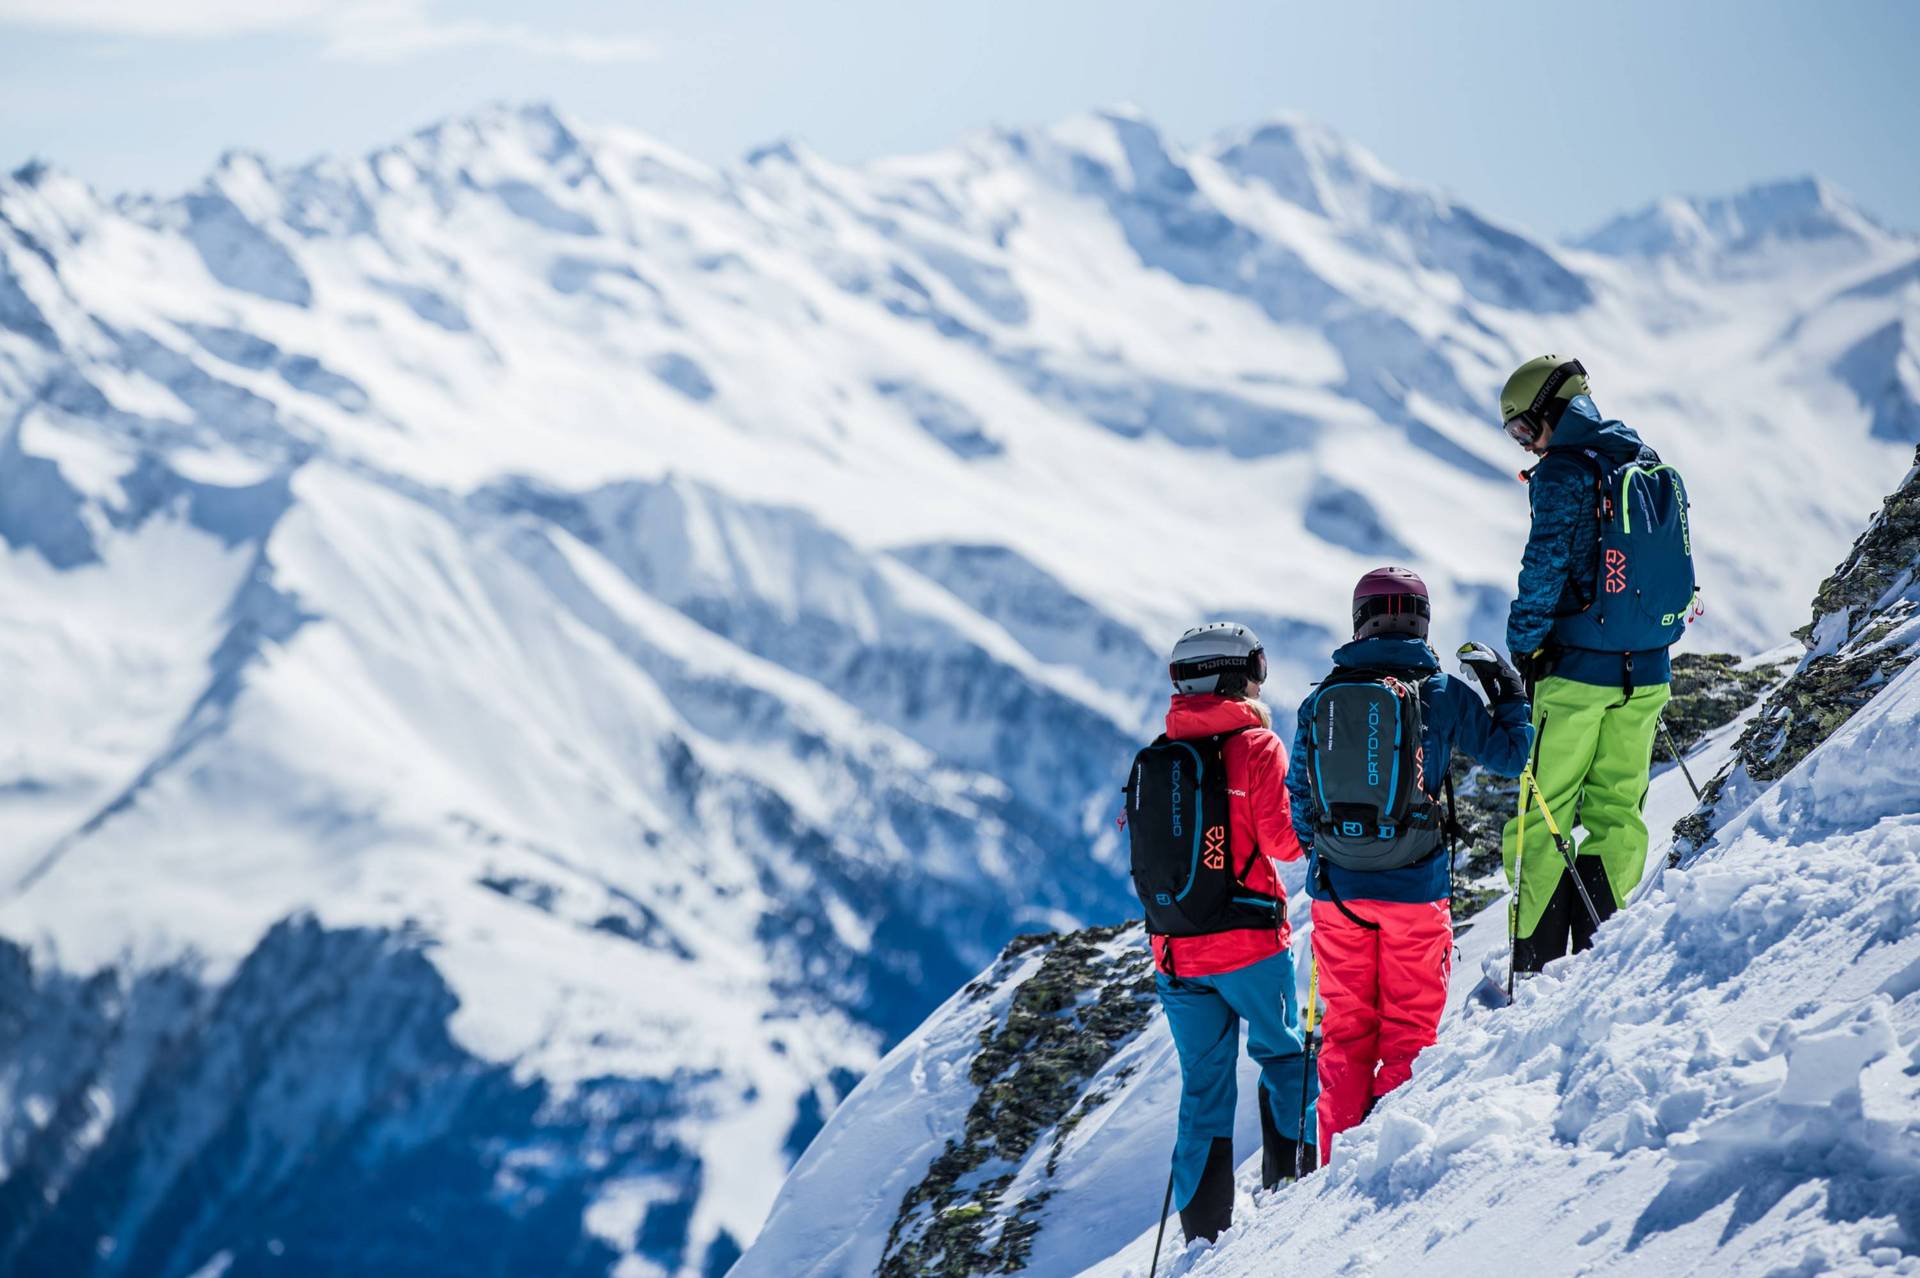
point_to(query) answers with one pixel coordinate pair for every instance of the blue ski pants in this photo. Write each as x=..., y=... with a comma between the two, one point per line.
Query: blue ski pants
x=1204, y=1014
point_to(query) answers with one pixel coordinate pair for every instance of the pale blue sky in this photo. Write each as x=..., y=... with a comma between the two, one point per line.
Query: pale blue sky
x=1549, y=114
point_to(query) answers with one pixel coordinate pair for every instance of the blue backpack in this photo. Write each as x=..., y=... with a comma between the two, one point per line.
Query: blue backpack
x=1367, y=771
x=1643, y=584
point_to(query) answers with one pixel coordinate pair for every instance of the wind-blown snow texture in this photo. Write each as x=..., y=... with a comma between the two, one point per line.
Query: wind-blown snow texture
x=697, y=614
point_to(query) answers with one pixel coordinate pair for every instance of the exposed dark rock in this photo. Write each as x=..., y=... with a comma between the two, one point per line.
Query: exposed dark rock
x=1484, y=803
x=240, y=254
x=1887, y=551
x=1343, y=516
x=945, y=418
x=683, y=373
x=38, y=507
x=1863, y=633
x=1710, y=689
x=311, y=1115
x=1065, y=1022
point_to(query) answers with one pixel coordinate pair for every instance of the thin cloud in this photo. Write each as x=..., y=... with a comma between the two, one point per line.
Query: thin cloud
x=363, y=31
x=393, y=32
x=174, y=18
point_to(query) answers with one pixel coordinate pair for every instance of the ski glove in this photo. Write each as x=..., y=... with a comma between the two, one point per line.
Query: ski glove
x=1533, y=666
x=1495, y=673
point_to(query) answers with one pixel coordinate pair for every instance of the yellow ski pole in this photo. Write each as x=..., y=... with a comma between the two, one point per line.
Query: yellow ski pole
x=1527, y=791
x=1560, y=842
x=1519, y=865
x=1313, y=1006
x=1560, y=839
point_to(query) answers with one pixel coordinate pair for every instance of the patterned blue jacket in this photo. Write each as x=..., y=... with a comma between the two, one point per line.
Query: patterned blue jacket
x=1562, y=557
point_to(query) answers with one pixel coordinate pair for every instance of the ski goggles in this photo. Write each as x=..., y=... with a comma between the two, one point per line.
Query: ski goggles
x=1392, y=606
x=1527, y=426
x=1523, y=430
x=1253, y=666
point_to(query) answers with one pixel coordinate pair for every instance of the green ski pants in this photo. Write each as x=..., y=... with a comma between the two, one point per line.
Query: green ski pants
x=1594, y=758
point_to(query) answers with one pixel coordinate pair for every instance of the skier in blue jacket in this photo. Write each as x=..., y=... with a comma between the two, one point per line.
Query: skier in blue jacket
x=1383, y=939
x=1597, y=708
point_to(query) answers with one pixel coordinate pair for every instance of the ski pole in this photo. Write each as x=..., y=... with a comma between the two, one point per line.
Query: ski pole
x=1559, y=841
x=1161, y=1237
x=1520, y=856
x=1313, y=1005
x=1681, y=759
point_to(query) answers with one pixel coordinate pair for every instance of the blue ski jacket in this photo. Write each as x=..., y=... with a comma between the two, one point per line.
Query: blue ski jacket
x=1455, y=717
x=1562, y=558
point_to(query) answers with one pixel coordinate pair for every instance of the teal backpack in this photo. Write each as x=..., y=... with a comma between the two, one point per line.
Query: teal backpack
x=1643, y=585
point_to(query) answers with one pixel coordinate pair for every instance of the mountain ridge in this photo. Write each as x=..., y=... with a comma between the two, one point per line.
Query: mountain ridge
x=1296, y=129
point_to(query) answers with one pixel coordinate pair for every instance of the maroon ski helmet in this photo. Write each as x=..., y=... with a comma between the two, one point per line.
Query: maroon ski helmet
x=1391, y=601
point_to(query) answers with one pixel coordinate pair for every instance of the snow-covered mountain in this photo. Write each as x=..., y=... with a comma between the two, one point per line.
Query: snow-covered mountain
x=1798, y=223
x=529, y=661
x=1728, y=1083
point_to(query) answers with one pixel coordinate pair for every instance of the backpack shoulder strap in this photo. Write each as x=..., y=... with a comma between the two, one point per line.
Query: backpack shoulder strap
x=1596, y=466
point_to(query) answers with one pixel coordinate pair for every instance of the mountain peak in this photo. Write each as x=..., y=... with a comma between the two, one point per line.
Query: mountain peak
x=785, y=150
x=1305, y=163
x=535, y=126
x=32, y=173
x=45, y=202
x=1805, y=213
x=1122, y=145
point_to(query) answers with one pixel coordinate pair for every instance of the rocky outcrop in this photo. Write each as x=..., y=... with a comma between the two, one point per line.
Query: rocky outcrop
x=1865, y=630
x=1092, y=993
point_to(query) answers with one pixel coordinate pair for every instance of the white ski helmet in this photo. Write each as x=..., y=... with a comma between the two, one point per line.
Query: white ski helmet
x=1222, y=657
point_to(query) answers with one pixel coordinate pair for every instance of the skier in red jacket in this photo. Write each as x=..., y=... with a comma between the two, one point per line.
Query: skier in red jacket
x=1209, y=984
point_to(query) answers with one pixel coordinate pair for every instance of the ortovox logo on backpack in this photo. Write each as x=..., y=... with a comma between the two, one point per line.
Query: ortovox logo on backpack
x=1645, y=582
x=1183, y=864
x=1367, y=769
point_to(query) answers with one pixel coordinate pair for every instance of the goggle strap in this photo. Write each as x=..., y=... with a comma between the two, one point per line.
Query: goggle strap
x=1392, y=605
x=1253, y=665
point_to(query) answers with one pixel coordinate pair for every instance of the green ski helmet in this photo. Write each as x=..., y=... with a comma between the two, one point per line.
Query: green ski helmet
x=1532, y=399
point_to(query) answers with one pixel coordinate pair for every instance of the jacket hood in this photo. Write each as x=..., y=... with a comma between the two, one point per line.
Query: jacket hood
x=1581, y=426
x=1387, y=653
x=1201, y=714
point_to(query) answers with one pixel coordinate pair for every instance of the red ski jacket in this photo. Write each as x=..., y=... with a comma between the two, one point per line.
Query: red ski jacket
x=1259, y=815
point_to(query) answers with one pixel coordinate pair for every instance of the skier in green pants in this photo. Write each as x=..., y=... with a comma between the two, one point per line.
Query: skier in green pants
x=1606, y=586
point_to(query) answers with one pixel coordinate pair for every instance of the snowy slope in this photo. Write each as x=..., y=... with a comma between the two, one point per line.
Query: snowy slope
x=833, y=1217
x=699, y=611
x=1726, y=1084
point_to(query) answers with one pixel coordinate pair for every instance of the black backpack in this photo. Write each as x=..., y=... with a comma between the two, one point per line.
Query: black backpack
x=1183, y=862
x=1367, y=772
